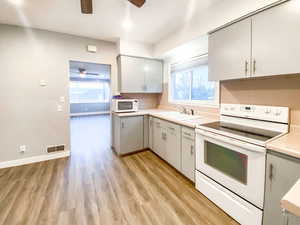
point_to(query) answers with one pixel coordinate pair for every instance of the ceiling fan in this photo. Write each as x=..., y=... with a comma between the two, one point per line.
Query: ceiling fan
x=87, y=5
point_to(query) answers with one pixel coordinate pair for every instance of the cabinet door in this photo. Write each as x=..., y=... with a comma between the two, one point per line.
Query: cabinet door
x=131, y=134
x=173, y=145
x=151, y=128
x=159, y=138
x=132, y=74
x=230, y=52
x=146, y=131
x=276, y=36
x=154, y=76
x=282, y=173
x=188, y=153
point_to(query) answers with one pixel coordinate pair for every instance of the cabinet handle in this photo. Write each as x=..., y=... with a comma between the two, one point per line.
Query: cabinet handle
x=192, y=150
x=188, y=134
x=285, y=217
x=171, y=128
x=246, y=67
x=271, y=174
x=122, y=125
x=254, y=66
x=164, y=136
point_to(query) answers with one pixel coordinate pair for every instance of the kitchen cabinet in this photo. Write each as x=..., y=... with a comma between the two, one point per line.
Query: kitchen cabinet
x=153, y=76
x=282, y=173
x=151, y=130
x=159, y=138
x=264, y=44
x=188, y=153
x=139, y=75
x=275, y=38
x=230, y=52
x=173, y=145
x=128, y=134
x=146, y=132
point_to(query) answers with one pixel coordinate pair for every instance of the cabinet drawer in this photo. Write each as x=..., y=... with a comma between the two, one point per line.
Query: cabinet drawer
x=188, y=133
x=172, y=128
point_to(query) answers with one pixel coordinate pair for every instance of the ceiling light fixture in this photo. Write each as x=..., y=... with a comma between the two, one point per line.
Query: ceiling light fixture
x=82, y=72
x=127, y=24
x=16, y=2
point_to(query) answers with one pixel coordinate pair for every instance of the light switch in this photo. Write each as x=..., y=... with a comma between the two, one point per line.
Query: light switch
x=62, y=99
x=43, y=83
x=59, y=108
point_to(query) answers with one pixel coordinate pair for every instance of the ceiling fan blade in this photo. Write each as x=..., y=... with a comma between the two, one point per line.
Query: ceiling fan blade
x=87, y=6
x=138, y=3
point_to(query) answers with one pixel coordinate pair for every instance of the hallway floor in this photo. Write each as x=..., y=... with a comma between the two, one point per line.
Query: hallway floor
x=95, y=187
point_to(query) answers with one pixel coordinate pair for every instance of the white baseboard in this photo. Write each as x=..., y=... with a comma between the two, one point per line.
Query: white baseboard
x=34, y=159
x=90, y=114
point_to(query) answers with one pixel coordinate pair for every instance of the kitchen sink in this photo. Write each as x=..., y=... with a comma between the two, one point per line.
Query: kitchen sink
x=179, y=116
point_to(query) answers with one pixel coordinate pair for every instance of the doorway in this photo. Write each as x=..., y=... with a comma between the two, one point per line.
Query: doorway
x=89, y=94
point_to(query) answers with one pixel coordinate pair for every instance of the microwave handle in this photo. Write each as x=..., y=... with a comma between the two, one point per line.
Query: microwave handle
x=248, y=146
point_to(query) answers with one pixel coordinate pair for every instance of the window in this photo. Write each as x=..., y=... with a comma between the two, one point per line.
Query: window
x=189, y=83
x=89, y=91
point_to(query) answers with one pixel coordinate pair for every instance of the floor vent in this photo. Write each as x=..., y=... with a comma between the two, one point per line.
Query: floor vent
x=57, y=148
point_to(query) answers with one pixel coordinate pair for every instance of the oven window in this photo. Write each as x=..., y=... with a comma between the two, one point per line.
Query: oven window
x=229, y=162
x=125, y=105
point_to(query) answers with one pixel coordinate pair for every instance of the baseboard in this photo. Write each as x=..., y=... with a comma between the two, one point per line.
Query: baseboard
x=34, y=159
x=90, y=113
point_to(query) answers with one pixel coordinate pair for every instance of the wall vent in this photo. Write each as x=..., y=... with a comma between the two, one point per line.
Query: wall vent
x=56, y=148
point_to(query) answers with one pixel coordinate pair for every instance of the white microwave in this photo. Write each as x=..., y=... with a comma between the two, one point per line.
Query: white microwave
x=125, y=105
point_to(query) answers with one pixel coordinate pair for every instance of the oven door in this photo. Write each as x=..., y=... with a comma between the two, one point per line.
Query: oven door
x=236, y=165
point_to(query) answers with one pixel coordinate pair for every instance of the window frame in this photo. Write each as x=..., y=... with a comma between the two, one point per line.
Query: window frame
x=90, y=101
x=205, y=103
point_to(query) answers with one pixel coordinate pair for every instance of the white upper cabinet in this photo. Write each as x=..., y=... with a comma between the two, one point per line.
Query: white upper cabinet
x=139, y=75
x=229, y=52
x=265, y=44
x=153, y=76
x=131, y=74
x=275, y=38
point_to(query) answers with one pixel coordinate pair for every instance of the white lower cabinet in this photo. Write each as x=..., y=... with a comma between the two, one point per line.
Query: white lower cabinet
x=159, y=136
x=128, y=134
x=173, y=145
x=188, y=153
x=151, y=130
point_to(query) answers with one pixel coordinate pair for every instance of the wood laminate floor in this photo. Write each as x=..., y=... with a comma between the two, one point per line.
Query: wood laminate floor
x=95, y=187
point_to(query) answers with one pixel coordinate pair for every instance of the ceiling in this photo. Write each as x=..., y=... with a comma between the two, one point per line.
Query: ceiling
x=155, y=20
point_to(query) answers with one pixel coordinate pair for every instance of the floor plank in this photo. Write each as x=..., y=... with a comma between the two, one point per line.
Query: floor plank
x=96, y=187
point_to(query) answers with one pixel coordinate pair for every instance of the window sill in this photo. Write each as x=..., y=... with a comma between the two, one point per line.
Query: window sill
x=195, y=103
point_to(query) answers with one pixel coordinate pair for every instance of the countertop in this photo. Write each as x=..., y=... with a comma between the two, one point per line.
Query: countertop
x=288, y=144
x=291, y=201
x=160, y=113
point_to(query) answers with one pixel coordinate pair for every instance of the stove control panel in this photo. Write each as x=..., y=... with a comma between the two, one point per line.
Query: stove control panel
x=259, y=112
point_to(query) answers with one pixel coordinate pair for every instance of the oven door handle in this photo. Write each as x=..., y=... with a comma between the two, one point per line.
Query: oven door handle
x=228, y=140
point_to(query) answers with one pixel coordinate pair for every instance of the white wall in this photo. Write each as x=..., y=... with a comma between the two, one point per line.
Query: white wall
x=28, y=111
x=135, y=48
x=216, y=15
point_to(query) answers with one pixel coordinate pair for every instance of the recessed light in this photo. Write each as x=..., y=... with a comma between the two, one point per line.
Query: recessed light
x=127, y=24
x=16, y=2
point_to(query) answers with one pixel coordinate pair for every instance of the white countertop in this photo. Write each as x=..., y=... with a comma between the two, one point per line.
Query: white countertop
x=291, y=201
x=173, y=116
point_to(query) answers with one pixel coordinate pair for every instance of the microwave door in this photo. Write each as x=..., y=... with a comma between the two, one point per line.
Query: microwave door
x=124, y=106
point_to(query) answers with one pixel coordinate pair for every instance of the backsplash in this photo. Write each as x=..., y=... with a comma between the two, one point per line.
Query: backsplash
x=275, y=90
x=146, y=101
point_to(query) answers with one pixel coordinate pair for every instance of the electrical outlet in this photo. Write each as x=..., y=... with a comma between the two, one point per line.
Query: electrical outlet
x=22, y=148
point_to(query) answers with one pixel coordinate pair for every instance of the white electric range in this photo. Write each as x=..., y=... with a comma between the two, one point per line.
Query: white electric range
x=231, y=158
